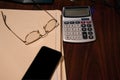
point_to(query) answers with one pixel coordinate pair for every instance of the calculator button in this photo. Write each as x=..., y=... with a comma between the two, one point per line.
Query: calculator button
x=84, y=29
x=66, y=29
x=90, y=37
x=78, y=25
x=88, y=22
x=84, y=35
x=69, y=29
x=78, y=38
x=75, y=37
x=90, y=33
x=66, y=22
x=71, y=22
x=72, y=37
x=68, y=33
x=77, y=22
x=76, y=33
x=68, y=37
x=82, y=22
x=89, y=29
x=79, y=29
x=89, y=25
x=85, y=19
x=75, y=29
x=83, y=25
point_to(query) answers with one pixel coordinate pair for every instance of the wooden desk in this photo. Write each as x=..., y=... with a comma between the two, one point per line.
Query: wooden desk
x=99, y=60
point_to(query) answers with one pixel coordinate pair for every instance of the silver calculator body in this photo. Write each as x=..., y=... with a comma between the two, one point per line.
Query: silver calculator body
x=77, y=25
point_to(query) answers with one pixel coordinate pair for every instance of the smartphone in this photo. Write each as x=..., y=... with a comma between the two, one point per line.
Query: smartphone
x=43, y=65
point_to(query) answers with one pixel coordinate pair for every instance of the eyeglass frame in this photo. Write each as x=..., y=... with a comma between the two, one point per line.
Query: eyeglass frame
x=40, y=35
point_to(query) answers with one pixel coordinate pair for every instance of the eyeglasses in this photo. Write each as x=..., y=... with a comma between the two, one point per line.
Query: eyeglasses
x=34, y=35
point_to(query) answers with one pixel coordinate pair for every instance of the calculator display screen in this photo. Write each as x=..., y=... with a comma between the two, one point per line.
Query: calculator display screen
x=76, y=12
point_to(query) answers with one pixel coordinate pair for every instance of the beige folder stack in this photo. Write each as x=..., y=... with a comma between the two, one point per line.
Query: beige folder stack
x=15, y=56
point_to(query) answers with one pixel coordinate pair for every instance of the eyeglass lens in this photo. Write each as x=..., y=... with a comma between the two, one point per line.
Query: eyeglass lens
x=35, y=35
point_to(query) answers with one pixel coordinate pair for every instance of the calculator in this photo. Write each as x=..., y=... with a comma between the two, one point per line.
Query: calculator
x=77, y=24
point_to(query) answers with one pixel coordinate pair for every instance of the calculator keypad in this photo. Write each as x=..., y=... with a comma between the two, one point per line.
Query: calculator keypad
x=78, y=30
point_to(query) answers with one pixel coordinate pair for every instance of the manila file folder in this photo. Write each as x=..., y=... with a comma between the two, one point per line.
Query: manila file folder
x=15, y=56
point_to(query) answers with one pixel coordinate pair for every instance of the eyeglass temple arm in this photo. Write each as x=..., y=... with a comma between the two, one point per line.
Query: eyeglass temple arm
x=49, y=14
x=4, y=19
x=38, y=6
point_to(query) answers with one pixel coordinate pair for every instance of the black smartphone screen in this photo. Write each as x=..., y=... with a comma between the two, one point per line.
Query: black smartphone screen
x=44, y=65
